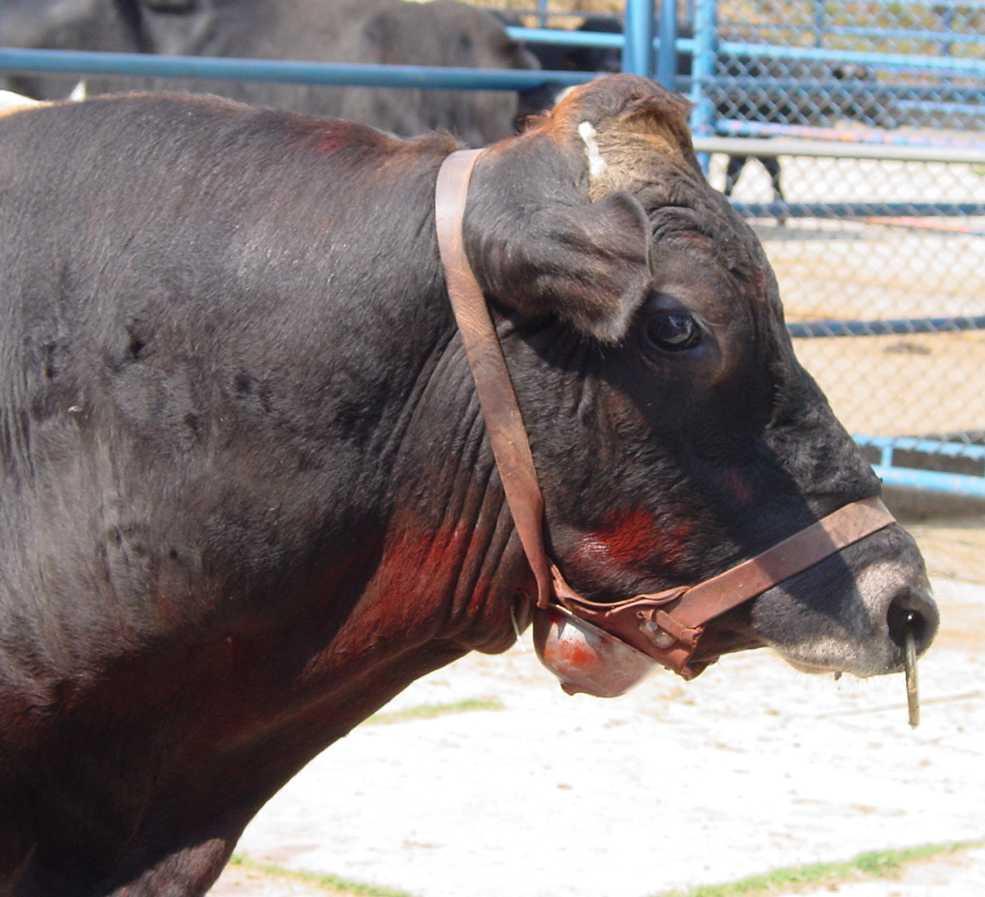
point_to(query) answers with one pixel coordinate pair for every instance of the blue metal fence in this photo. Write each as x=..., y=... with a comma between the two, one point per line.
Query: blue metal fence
x=776, y=68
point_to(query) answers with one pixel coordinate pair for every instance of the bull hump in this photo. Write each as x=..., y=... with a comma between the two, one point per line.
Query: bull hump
x=11, y=102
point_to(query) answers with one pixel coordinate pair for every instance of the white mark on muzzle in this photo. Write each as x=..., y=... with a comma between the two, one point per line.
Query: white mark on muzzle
x=596, y=164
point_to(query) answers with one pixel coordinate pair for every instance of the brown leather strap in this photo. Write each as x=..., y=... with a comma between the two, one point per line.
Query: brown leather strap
x=500, y=410
x=667, y=625
x=793, y=555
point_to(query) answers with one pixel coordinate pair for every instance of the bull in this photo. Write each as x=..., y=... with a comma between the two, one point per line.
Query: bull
x=443, y=33
x=248, y=493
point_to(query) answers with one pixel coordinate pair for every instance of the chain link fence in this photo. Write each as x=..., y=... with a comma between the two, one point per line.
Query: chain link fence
x=883, y=256
x=915, y=64
x=863, y=171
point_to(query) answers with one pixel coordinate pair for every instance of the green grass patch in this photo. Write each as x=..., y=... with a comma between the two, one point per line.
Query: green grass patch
x=873, y=865
x=430, y=711
x=330, y=884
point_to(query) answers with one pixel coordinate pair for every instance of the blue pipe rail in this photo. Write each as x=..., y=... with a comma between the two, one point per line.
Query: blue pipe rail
x=858, y=31
x=287, y=72
x=564, y=38
x=945, y=448
x=445, y=78
x=969, y=110
x=703, y=71
x=893, y=92
x=731, y=127
x=637, y=54
x=908, y=477
x=667, y=57
x=885, y=327
x=858, y=209
x=949, y=65
x=603, y=39
x=939, y=482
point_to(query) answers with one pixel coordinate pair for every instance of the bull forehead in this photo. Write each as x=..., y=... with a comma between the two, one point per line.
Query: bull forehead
x=619, y=159
x=706, y=244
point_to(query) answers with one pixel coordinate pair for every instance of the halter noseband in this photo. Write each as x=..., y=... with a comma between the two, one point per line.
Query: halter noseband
x=666, y=626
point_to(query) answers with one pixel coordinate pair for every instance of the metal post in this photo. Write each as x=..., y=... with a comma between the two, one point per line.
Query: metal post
x=820, y=21
x=689, y=16
x=542, y=13
x=947, y=24
x=703, y=72
x=667, y=59
x=637, y=55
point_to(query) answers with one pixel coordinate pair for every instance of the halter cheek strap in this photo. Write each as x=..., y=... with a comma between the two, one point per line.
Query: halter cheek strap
x=500, y=410
x=668, y=625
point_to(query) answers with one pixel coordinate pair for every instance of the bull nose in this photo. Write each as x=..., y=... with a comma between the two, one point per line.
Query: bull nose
x=913, y=610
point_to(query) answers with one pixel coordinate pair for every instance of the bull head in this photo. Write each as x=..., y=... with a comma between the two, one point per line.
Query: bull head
x=677, y=434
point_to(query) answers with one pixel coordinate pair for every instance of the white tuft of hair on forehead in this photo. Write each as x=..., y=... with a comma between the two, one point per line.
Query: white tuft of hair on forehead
x=596, y=164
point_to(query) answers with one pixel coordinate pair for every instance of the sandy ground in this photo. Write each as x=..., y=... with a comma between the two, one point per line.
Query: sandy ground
x=751, y=767
x=902, y=385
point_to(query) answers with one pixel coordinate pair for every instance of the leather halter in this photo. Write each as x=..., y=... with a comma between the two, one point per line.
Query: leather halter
x=667, y=626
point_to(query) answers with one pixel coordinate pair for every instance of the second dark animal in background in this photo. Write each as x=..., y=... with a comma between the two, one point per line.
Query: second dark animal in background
x=443, y=33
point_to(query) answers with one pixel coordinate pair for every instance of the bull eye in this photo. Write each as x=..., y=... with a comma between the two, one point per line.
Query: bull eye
x=673, y=330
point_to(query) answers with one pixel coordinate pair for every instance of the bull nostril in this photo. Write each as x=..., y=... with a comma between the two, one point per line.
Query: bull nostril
x=915, y=612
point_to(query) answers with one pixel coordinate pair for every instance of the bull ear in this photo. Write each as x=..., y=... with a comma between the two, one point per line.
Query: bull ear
x=586, y=262
x=557, y=219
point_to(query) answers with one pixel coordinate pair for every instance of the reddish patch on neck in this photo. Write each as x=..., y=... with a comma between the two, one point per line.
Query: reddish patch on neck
x=629, y=538
x=332, y=140
x=423, y=569
x=415, y=552
x=337, y=135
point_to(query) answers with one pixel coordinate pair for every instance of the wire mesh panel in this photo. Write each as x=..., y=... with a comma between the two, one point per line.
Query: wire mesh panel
x=878, y=62
x=869, y=242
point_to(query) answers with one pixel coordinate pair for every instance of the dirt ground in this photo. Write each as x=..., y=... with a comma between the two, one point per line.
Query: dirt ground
x=893, y=385
x=751, y=767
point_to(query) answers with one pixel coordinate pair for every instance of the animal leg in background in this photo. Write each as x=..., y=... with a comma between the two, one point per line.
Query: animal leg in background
x=772, y=166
